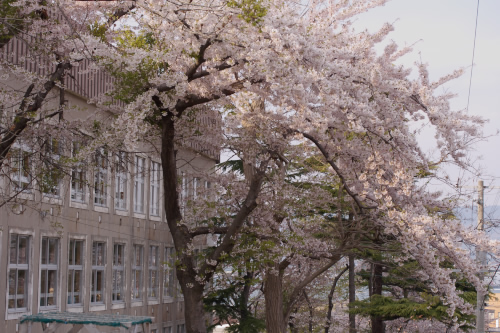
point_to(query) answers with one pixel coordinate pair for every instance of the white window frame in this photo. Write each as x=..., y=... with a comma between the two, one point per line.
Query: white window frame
x=72, y=268
x=168, y=282
x=96, y=268
x=154, y=272
x=121, y=181
x=78, y=187
x=155, y=186
x=118, y=268
x=21, y=174
x=139, y=183
x=184, y=192
x=53, y=152
x=45, y=269
x=101, y=181
x=16, y=266
x=137, y=289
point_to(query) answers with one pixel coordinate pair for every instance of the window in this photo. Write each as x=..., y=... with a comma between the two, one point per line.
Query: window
x=168, y=272
x=78, y=177
x=181, y=328
x=101, y=177
x=75, y=272
x=139, y=185
x=184, y=191
x=98, y=270
x=21, y=174
x=18, y=273
x=137, y=259
x=118, y=272
x=52, y=174
x=49, y=268
x=121, y=181
x=154, y=197
x=208, y=186
x=153, y=272
x=196, y=187
x=167, y=329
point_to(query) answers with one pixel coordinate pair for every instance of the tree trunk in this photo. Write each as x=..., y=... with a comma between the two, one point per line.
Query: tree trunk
x=330, y=300
x=352, y=294
x=273, y=296
x=311, y=311
x=194, y=312
x=193, y=297
x=377, y=322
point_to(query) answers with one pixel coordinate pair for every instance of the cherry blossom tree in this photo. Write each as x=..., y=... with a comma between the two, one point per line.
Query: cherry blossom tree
x=325, y=88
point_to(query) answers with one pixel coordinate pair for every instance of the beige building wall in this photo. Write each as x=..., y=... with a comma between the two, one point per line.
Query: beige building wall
x=39, y=217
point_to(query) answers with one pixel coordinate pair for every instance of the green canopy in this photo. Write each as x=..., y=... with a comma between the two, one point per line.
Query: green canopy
x=87, y=318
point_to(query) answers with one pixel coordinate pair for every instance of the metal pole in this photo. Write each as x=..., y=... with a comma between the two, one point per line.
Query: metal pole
x=480, y=257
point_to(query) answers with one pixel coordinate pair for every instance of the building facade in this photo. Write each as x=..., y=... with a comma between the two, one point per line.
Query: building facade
x=93, y=239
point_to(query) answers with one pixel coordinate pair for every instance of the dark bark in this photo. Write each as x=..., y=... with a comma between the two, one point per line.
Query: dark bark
x=352, y=294
x=191, y=288
x=245, y=296
x=311, y=311
x=330, y=300
x=294, y=295
x=273, y=295
x=377, y=322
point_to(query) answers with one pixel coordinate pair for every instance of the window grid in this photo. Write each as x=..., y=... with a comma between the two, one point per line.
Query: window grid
x=118, y=272
x=98, y=272
x=184, y=192
x=154, y=197
x=139, y=185
x=19, y=250
x=168, y=272
x=121, y=181
x=153, y=272
x=52, y=174
x=181, y=328
x=49, y=269
x=78, y=177
x=20, y=169
x=75, y=272
x=137, y=262
x=101, y=178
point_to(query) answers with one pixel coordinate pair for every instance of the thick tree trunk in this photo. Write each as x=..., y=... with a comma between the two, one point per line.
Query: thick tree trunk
x=193, y=297
x=377, y=322
x=273, y=296
x=352, y=294
x=194, y=312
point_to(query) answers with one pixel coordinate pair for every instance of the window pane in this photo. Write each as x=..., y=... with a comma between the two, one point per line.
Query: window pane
x=22, y=281
x=44, y=250
x=53, y=250
x=13, y=249
x=23, y=250
x=12, y=281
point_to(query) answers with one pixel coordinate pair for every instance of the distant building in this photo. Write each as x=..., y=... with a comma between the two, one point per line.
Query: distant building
x=492, y=312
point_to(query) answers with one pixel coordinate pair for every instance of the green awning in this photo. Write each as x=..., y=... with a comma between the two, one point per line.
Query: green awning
x=87, y=318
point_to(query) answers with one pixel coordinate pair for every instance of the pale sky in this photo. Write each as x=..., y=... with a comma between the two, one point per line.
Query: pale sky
x=444, y=32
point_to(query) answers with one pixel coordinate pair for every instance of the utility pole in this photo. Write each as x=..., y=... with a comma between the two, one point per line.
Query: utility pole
x=481, y=259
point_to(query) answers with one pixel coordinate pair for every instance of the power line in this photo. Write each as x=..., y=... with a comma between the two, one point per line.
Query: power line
x=473, y=54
